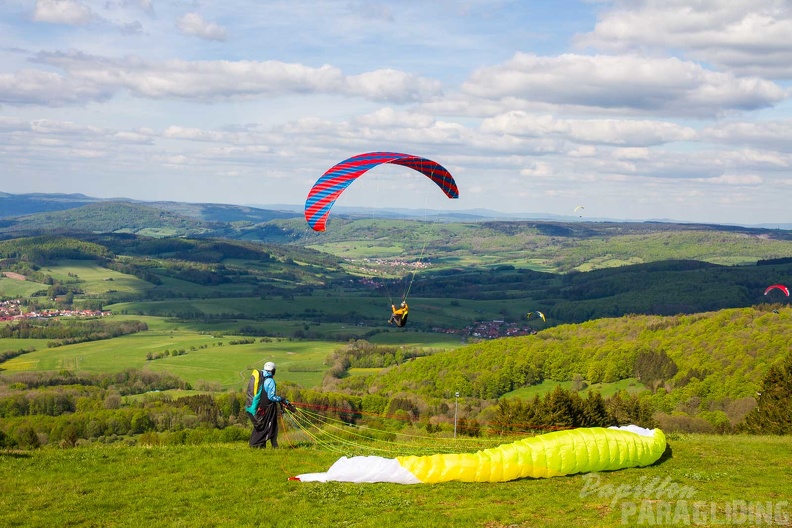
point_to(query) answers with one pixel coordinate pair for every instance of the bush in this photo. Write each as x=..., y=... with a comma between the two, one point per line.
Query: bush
x=26, y=438
x=683, y=423
x=234, y=434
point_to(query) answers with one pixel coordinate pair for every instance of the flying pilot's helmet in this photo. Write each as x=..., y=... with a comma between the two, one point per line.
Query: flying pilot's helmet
x=270, y=366
x=403, y=304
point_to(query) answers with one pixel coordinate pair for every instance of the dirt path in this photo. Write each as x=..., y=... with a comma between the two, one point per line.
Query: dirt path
x=16, y=276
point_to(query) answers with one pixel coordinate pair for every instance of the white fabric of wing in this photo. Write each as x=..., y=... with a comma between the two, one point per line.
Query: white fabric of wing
x=635, y=429
x=363, y=469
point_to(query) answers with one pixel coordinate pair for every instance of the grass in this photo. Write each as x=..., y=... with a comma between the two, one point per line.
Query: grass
x=18, y=288
x=94, y=279
x=232, y=485
x=220, y=363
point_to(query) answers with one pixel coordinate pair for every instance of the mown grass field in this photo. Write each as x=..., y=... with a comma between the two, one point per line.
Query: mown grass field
x=704, y=482
x=18, y=288
x=94, y=279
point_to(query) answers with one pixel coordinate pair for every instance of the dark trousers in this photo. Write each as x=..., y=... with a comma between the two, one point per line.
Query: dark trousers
x=259, y=437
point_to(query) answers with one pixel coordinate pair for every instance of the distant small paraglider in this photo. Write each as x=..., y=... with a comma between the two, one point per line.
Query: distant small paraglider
x=540, y=314
x=781, y=287
x=579, y=207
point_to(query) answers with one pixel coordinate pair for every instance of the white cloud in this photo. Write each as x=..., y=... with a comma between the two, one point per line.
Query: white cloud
x=240, y=80
x=194, y=24
x=36, y=87
x=761, y=134
x=392, y=85
x=735, y=179
x=539, y=169
x=70, y=12
x=665, y=86
x=595, y=131
x=390, y=118
x=749, y=38
x=631, y=153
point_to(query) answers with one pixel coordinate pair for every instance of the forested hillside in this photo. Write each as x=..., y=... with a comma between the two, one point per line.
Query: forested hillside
x=205, y=268
x=694, y=364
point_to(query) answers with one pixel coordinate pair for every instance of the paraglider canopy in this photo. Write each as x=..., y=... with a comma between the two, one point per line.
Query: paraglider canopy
x=777, y=287
x=540, y=314
x=329, y=187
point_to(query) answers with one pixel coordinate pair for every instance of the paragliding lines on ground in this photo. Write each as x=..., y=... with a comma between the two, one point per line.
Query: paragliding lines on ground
x=332, y=183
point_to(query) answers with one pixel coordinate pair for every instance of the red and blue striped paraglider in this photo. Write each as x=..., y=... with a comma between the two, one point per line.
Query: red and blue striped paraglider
x=329, y=187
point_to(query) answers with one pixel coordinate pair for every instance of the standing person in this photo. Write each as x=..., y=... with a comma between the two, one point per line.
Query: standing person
x=262, y=406
x=399, y=316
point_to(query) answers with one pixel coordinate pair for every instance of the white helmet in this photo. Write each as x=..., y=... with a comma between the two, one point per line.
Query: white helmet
x=269, y=365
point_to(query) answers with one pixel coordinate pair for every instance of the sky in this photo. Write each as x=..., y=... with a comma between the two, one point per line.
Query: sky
x=635, y=110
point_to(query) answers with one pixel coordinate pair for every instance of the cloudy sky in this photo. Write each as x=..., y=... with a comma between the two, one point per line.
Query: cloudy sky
x=640, y=109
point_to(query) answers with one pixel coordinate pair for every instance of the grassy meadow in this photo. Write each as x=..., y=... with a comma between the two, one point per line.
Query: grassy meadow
x=210, y=357
x=703, y=482
x=95, y=279
x=18, y=288
x=224, y=365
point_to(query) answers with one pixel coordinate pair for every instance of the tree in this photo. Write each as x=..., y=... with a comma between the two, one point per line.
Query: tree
x=26, y=438
x=69, y=436
x=773, y=413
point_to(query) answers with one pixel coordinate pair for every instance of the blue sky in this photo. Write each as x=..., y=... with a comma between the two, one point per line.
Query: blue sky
x=641, y=109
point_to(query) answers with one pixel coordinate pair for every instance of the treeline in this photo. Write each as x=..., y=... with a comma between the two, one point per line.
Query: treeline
x=363, y=354
x=131, y=267
x=10, y=354
x=125, y=382
x=564, y=409
x=705, y=365
x=41, y=250
x=655, y=288
x=64, y=332
x=67, y=409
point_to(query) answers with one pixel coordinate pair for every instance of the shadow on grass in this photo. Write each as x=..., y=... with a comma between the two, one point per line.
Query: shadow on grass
x=668, y=453
x=11, y=453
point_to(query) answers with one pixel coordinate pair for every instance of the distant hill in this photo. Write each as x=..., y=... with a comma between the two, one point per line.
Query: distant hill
x=151, y=218
x=108, y=217
x=13, y=205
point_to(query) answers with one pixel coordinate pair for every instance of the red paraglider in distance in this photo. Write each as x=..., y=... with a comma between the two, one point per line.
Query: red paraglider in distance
x=777, y=287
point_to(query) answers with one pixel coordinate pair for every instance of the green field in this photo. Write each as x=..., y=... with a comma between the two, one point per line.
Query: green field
x=18, y=288
x=220, y=363
x=209, y=355
x=707, y=481
x=94, y=279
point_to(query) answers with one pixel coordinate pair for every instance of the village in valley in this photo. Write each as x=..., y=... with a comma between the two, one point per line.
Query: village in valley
x=13, y=310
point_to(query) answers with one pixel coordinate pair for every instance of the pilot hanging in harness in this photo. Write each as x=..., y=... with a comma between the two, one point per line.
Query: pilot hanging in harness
x=399, y=315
